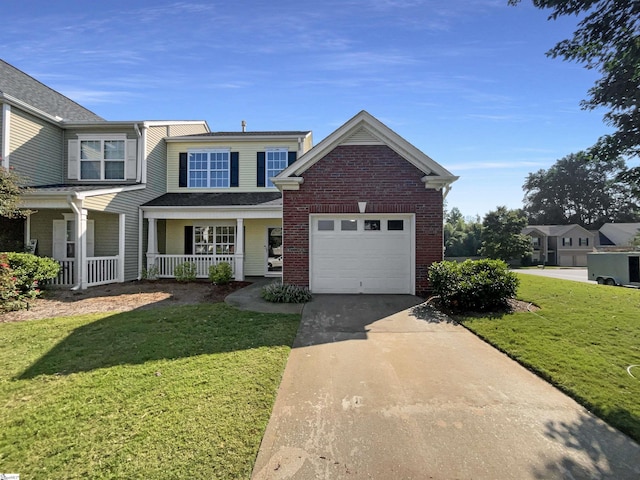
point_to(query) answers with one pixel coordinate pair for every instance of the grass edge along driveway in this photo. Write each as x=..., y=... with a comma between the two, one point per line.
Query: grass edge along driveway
x=178, y=392
x=582, y=340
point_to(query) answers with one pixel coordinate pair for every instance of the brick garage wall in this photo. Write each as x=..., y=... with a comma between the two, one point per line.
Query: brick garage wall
x=356, y=173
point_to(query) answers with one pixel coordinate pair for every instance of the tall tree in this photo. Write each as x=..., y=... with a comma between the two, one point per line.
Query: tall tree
x=607, y=39
x=579, y=189
x=501, y=237
x=461, y=236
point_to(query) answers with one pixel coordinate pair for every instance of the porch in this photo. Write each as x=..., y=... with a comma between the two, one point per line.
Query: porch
x=163, y=266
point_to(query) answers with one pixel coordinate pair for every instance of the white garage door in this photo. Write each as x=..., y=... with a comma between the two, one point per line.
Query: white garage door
x=362, y=254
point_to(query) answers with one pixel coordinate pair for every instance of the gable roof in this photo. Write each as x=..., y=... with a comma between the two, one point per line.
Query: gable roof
x=21, y=89
x=365, y=129
x=620, y=234
x=553, y=230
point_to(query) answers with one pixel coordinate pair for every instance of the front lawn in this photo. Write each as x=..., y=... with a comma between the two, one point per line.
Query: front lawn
x=583, y=339
x=179, y=392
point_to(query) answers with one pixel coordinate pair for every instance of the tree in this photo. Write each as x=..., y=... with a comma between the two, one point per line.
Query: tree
x=9, y=194
x=461, y=236
x=607, y=39
x=501, y=237
x=579, y=189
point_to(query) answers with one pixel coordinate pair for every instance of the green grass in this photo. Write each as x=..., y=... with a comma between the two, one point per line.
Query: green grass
x=582, y=340
x=181, y=392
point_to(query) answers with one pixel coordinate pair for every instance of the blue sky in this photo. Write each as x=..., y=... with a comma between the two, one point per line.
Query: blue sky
x=465, y=81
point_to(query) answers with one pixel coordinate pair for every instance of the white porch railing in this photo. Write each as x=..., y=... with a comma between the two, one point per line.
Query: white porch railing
x=102, y=270
x=166, y=264
x=66, y=276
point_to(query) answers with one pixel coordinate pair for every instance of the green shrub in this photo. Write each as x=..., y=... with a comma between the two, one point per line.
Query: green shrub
x=150, y=273
x=473, y=286
x=185, y=272
x=280, y=293
x=27, y=272
x=220, y=274
x=9, y=294
x=31, y=270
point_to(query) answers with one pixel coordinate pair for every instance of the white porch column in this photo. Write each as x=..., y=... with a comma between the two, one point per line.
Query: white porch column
x=80, y=218
x=152, y=243
x=239, y=274
x=121, y=246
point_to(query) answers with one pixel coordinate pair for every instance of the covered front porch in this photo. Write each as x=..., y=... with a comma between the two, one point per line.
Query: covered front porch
x=89, y=244
x=197, y=231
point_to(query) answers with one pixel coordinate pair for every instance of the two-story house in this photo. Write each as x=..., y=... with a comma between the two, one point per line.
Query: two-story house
x=361, y=212
x=87, y=178
x=563, y=245
x=220, y=203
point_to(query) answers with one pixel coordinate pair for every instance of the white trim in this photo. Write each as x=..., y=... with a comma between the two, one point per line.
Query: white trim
x=290, y=183
x=235, y=137
x=8, y=99
x=209, y=151
x=5, y=148
x=206, y=213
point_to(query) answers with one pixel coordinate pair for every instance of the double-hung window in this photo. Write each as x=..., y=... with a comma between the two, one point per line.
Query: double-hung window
x=214, y=239
x=102, y=158
x=276, y=160
x=209, y=168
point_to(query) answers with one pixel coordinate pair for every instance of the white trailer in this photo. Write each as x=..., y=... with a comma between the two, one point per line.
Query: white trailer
x=614, y=268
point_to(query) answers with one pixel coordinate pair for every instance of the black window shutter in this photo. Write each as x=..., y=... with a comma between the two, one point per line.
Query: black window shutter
x=235, y=165
x=292, y=157
x=261, y=168
x=188, y=240
x=184, y=167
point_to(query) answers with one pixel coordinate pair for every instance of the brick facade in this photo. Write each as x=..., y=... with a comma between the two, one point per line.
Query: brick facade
x=354, y=173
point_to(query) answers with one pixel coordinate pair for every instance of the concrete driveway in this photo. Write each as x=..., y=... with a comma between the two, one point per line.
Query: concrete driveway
x=576, y=274
x=377, y=389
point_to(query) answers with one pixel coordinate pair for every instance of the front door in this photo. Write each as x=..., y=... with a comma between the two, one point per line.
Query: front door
x=274, y=250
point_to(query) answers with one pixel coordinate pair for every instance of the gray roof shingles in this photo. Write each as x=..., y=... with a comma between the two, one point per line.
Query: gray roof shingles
x=27, y=89
x=216, y=199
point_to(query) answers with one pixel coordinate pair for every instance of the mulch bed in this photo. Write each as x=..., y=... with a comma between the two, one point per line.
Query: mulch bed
x=121, y=297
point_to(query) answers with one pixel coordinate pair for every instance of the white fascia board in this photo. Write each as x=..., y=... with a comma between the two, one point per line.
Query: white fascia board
x=234, y=138
x=31, y=109
x=107, y=191
x=207, y=212
x=35, y=196
x=287, y=183
x=45, y=201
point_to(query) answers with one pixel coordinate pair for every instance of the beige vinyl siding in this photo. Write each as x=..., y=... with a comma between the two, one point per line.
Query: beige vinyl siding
x=99, y=203
x=255, y=240
x=1, y=129
x=42, y=229
x=106, y=234
x=35, y=149
x=247, y=163
x=179, y=130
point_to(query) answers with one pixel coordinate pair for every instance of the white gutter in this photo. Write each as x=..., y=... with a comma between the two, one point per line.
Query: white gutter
x=139, y=154
x=6, y=133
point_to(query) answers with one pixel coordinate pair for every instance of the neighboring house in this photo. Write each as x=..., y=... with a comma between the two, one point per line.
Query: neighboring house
x=563, y=245
x=87, y=178
x=362, y=212
x=621, y=235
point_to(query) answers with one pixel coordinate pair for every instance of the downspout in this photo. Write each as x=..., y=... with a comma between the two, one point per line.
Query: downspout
x=139, y=159
x=78, y=215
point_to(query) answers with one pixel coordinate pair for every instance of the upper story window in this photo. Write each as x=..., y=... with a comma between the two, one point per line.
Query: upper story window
x=583, y=242
x=102, y=159
x=276, y=161
x=209, y=169
x=535, y=241
x=567, y=241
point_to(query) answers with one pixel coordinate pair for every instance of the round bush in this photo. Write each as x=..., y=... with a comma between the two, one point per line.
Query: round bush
x=473, y=285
